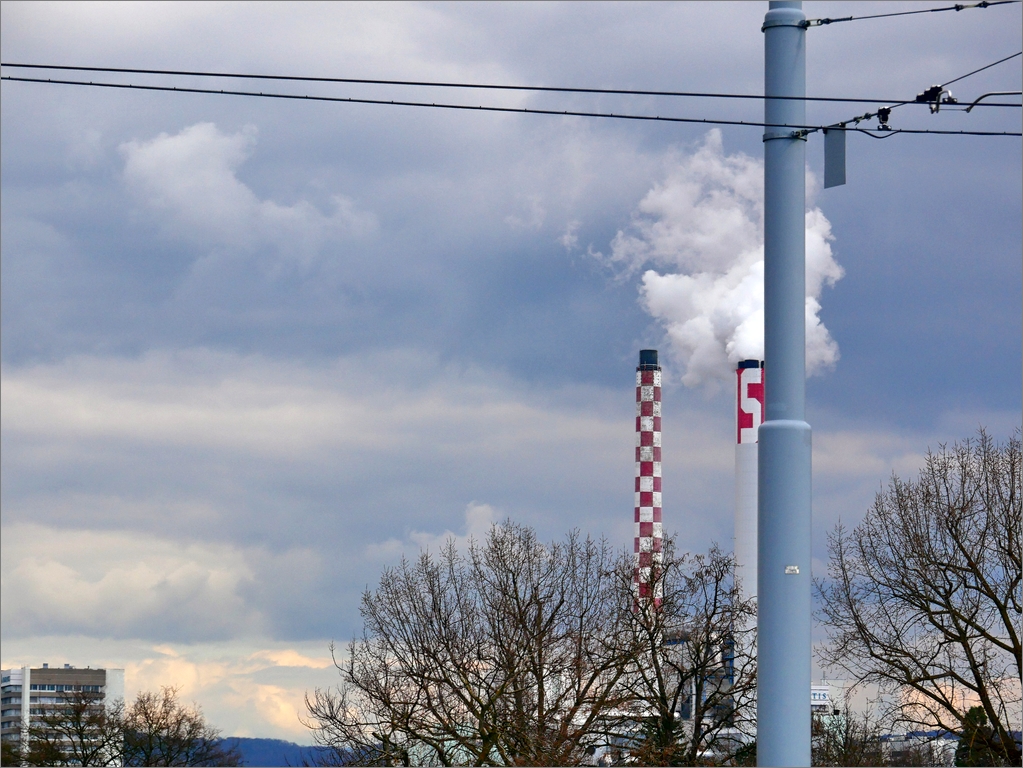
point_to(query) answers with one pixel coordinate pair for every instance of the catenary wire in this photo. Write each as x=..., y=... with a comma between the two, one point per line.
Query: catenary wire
x=968, y=74
x=870, y=115
x=983, y=96
x=436, y=84
x=957, y=7
x=480, y=108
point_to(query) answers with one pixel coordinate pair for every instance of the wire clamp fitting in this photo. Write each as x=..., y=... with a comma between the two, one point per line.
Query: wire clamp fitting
x=882, y=118
x=933, y=97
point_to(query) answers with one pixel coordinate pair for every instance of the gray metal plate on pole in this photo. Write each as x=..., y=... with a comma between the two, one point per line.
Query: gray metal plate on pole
x=834, y=157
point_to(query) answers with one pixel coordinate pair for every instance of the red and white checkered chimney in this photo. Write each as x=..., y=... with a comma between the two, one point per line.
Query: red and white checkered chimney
x=749, y=414
x=648, y=478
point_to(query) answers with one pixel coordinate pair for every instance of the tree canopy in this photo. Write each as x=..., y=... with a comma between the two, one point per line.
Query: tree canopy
x=518, y=652
x=923, y=597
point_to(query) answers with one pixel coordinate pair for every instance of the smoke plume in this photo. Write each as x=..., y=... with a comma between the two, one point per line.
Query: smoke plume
x=700, y=235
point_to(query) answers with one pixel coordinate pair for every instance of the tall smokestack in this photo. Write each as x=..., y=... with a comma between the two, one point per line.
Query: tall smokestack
x=648, y=478
x=749, y=413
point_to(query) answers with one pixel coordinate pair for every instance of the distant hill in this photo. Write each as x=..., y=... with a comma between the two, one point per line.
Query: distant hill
x=273, y=752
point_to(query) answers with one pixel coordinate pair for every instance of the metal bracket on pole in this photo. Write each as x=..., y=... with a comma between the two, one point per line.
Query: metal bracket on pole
x=782, y=22
x=786, y=135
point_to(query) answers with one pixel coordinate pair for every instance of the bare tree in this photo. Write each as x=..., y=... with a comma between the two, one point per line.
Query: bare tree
x=923, y=598
x=847, y=739
x=158, y=730
x=77, y=730
x=511, y=654
x=81, y=729
x=692, y=686
x=10, y=752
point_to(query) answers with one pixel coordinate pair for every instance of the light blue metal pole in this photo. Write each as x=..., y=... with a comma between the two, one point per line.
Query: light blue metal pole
x=783, y=573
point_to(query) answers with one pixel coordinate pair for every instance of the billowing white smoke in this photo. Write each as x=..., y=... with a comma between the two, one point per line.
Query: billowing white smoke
x=704, y=227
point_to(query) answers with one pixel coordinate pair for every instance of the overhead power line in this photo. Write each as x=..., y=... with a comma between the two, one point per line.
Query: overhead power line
x=479, y=108
x=956, y=7
x=436, y=84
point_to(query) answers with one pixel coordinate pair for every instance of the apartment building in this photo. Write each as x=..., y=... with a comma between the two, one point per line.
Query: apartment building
x=26, y=693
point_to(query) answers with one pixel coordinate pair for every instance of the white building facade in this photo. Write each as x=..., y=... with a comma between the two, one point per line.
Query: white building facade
x=27, y=692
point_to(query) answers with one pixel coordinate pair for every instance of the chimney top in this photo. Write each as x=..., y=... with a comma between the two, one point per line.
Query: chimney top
x=648, y=359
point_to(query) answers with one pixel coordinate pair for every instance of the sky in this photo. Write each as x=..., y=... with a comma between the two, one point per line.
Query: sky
x=255, y=351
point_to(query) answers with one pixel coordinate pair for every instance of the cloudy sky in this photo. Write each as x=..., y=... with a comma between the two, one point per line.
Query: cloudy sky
x=253, y=351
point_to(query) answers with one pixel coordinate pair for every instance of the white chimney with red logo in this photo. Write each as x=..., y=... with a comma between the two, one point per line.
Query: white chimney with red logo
x=749, y=416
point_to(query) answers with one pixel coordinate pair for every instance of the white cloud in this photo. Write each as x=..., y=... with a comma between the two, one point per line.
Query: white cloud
x=191, y=177
x=871, y=454
x=704, y=225
x=244, y=404
x=168, y=461
x=259, y=406
x=478, y=520
x=532, y=214
x=327, y=472
x=570, y=237
x=121, y=584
